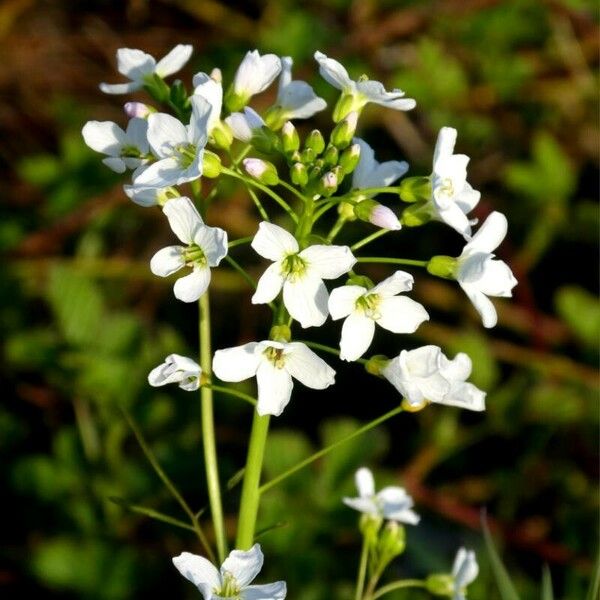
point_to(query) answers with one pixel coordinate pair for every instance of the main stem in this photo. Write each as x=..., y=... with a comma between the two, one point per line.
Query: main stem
x=250, y=490
x=208, y=430
x=362, y=569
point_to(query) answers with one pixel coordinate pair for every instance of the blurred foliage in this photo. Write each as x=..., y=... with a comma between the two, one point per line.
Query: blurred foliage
x=83, y=321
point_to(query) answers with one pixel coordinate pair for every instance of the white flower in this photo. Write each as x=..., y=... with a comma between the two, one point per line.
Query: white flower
x=296, y=99
x=211, y=90
x=452, y=197
x=370, y=173
x=274, y=364
x=361, y=91
x=479, y=274
x=427, y=375
x=243, y=124
x=464, y=572
x=125, y=149
x=382, y=305
x=177, y=369
x=146, y=196
x=206, y=247
x=232, y=581
x=140, y=67
x=255, y=74
x=300, y=274
x=391, y=502
x=178, y=147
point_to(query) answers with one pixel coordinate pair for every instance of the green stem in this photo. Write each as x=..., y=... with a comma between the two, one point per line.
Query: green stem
x=292, y=189
x=250, y=280
x=337, y=227
x=330, y=350
x=392, y=261
x=261, y=209
x=250, y=489
x=362, y=569
x=324, y=451
x=231, y=392
x=240, y=241
x=369, y=239
x=208, y=430
x=398, y=585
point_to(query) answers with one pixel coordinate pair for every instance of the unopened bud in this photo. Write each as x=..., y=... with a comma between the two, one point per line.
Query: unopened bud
x=416, y=214
x=216, y=75
x=315, y=141
x=211, y=165
x=138, y=110
x=344, y=105
x=331, y=156
x=307, y=156
x=376, y=364
x=344, y=131
x=369, y=526
x=350, y=158
x=346, y=211
x=265, y=140
x=442, y=266
x=440, y=584
x=280, y=333
x=391, y=544
x=415, y=189
x=328, y=184
x=290, y=139
x=262, y=170
x=377, y=214
x=222, y=136
x=299, y=174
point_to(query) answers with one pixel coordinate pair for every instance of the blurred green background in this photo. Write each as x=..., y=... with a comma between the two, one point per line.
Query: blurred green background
x=83, y=320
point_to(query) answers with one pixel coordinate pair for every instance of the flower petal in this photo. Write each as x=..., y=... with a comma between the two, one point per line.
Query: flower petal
x=396, y=505
x=183, y=218
x=213, y=242
x=243, y=124
x=328, y=262
x=357, y=334
x=134, y=64
x=104, y=136
x=401, y=314
x=256, y=73
x=457, y=369
x=167, y=261
x=137, y=134
x=165, y=132
x=192, y=286
x=238, y=363
x=400, y=281
x=455, y=217
x=268, y=591
x=269, y=285
x=212, y=91
x=306, y=300
x=445, y=143
x=366, y=165
x=174, y=60
x=465, y=395
x=274, y=389
x=120, y=88
x=483, y=305
x=274, y=242
x=489, y=236
x=160, y=174
x=115, y=164
x=244, y=565
x=299, y=100
x=144, y=196
x=365, y=482
x=333, y=72
x=307, y=367
x=363, y=505
x=201, y=572
x=342, y=300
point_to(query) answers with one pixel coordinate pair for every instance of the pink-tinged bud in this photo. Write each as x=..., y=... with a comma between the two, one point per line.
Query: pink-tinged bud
x=216, y=75
x=263, y=171
x=137, y=109
x=385, y=218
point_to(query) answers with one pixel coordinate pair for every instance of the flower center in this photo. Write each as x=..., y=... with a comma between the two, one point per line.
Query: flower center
x=369, y=305
x=447, y=187
x=186, y=154
x=293, y=267
x=194, y=255
x=230, y=587
x=130, y=152
x=275, y=356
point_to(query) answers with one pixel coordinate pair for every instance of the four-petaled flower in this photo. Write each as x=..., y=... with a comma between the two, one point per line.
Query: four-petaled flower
x=300, y=274
x=479, y=274
x=177, y=369
x=254, y=75
x=206, y=247
x=464, y=572
x=243, y=124
x=382, y=305
x=370, y=173
x=391, y=503
x=274, y=364
x=426, y=375
x=140, y=67
x=232, y=580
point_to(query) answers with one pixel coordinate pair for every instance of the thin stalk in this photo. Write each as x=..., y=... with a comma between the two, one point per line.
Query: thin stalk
x=236, y=266
x=321, y=210
x=261, y=209
x=324, y=451
x=158, y=516
x=240, y=241
x=369, y=239
x=231, y=392
x=291, y=188
x=392, y=261
x=208, y=429
x=250, y=489
x=398, y=585
x=330, y=350
x=362, y=570
x=337, y=227
x=167, y=482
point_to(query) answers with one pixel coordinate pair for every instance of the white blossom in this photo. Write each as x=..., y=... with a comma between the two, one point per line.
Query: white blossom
x=177, y=369
x=299, y=273
x=211, y=90
x=255, y=74
x=243, y=124
x=370, y=173
x=274, y=364
x=179, y=148
x=479, y=274
x=362, y=308
x=392, y=502
x=205, y=248
x=464, y=572
x=124, y=149
x=233, y=579
x=426, y=375
x=140, y=67
x=362, y=91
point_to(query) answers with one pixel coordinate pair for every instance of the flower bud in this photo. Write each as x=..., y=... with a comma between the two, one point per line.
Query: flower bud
x=442, y=266
x=376, y=364
x=331, y=156
x=211, y=165
x=275, y=117
x=344, y=131
x=416, y=214
x=280, y=333
x=349, y=158
x=328, y=184
x=216, y=75
x=299, y=174
x=369, y=526
x=344, y=105
x=265, y=140
x=289, y=138
x=440, y=584
x=415, y=189
x=262, y=170
x=315, y=141
x=377, y=214
x=138, y=109
x=308, y=156
x=391, y=543
x=222, y=136
x=346, y=211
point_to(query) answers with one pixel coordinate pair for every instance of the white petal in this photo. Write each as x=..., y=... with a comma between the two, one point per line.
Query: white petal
x=268, y=591
x=115, y=164
x=465, y=568
x=269, y=285
x=342, y=300
x=482, y=304
x=160, y=174
x=455, y=218
x=357, y=334
x=467, y=198
x=423, y=361
x=202, y=112
x=445, y=143
x=400, y=281
x=387, y=173
x=457, y=369
x=167, y=261
x=192, y=286
x=489, y=236
x=496, y=279
x=465, y=395
x=328, y=261
x=144, y=196
x=201, y=572
x=137, y=134
x=274, y=389
x=401, y=314
x=243, y=124
x=375, y=92
x=333, y=72
x=365, y=482
x=256, y=73
x=306, y=300
x=212, y=91
x=134, y=64
x=396, y=505
x=299, y=100
x=165, y=133
x=274, y=242
x=238, y=363
x=183, y=218
x=174, y=60
x=213, y=242
x=104, y=136
x=176, y=369
x=366, y=165
x=363, y=505
x=120, y=88
x=244, y=565
x=307, y=367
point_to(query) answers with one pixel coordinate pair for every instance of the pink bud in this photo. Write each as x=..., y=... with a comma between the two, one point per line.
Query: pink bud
x=216, y=75
x=136, y=109
x=330, y=180
x=384, y=217
x=255, y=167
